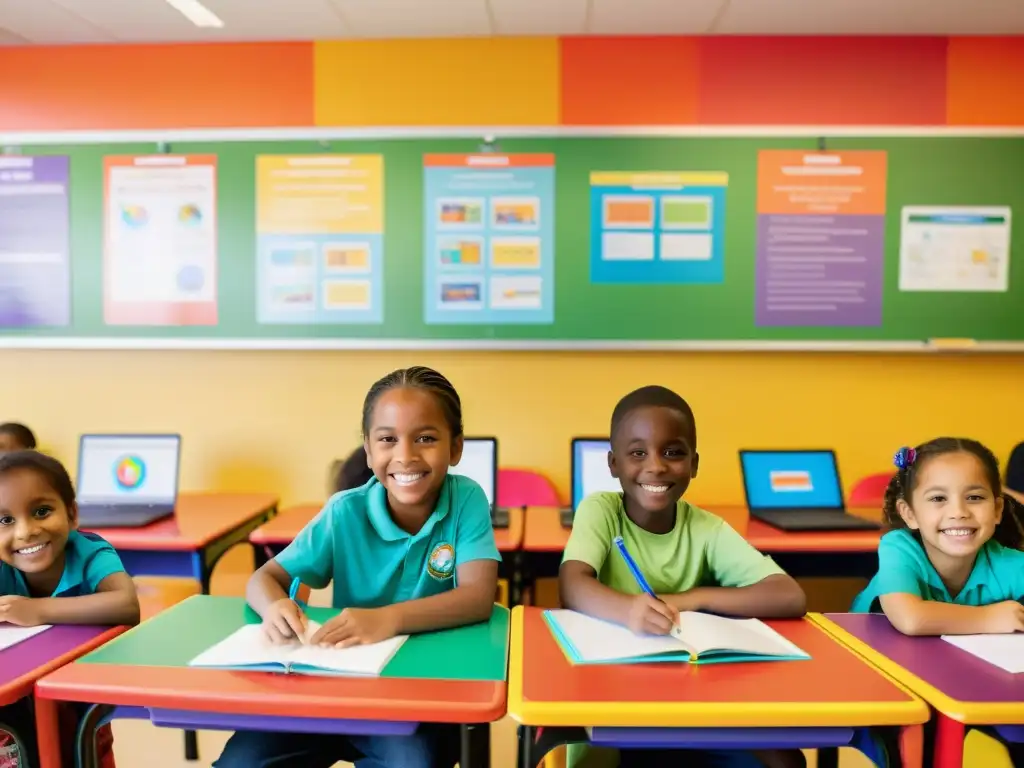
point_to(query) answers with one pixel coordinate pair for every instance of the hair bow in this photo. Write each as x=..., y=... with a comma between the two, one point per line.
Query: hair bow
x=904, y=457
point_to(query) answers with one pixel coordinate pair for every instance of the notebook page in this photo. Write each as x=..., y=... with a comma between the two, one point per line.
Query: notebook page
x=1003, y=651
x=597, y=640
x=705, y=632
x=247, y=646
x=356, y=660
x=12, y=635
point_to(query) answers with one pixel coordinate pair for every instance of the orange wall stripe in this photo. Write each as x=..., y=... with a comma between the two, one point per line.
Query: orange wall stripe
x=156, y=86
x=986, y=81
x=466, y=81
x=630, y=80
x=823, y=80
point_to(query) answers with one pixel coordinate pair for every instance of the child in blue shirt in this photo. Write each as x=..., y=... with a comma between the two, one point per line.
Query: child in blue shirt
x=49, y=572
x=953, y=564
x=410, y=551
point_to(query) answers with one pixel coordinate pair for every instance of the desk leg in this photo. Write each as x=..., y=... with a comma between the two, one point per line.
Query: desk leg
x=191, y=746
x=949, y=742
x=828, y=757
x=476, y=745
x=911, y=743
x=525, y=736
x=48, y=733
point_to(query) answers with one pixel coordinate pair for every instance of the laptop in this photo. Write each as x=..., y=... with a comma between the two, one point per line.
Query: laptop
x=127, y=481
x=480, y=462
x=590, y=473
x=797, y=491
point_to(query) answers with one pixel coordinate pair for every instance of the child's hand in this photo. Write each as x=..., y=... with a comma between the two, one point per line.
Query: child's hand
x=20, y=611
x=650, y=616
x=357, y=626
x=1002, y=618
x=284, y=622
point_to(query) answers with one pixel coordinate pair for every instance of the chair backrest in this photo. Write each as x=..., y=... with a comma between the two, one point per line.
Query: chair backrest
x=869, y=491
x=525, y=488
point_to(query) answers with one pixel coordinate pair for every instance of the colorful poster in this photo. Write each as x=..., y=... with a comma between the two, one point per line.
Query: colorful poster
x=657, y=227
x=820, y=238
x=35, y=273
x=160, y=254
x=946, y=248
x=490, y=251
x=320, y=238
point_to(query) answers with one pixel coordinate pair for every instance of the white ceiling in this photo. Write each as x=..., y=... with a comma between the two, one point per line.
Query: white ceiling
x=25, y=22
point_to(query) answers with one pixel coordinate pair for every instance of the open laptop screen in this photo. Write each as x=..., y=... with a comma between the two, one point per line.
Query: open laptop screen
x=590, y=469
x=480, y=462
x=136, y=469
x=791, y=480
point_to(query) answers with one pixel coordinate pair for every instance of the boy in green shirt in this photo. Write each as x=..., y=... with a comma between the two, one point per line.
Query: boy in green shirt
x=693, y=560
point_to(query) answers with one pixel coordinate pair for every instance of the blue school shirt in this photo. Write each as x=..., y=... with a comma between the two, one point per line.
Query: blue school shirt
x=88, y=560
x=903, y=566
x=373, y=563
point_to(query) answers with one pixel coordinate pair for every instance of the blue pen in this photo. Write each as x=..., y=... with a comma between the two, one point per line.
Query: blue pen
x=635, y=570
x=293, y=593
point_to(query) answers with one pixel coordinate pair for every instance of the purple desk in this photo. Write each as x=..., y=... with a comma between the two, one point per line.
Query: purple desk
x=22, y=664
x=963, y=689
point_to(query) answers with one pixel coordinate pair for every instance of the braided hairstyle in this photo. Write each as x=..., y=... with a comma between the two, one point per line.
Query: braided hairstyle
x=418, y=377
x=1009, y=532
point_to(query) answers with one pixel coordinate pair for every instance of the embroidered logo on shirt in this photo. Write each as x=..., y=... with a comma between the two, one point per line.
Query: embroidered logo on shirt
x=441, y=563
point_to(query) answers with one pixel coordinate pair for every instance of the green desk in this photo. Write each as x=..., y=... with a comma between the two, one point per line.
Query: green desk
x=451, y=676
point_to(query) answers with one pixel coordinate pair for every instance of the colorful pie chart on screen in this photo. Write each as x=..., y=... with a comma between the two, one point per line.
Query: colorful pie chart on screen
x=129, y=472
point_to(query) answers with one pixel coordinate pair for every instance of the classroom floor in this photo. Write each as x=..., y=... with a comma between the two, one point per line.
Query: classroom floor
x=138, y=743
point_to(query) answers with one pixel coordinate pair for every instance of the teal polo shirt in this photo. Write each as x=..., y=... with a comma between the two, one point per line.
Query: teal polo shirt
x=354, y=542
x=88, y=560
x=903, y=566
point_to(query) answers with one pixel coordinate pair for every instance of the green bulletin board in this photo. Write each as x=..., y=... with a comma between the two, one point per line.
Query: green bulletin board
x=921, y=171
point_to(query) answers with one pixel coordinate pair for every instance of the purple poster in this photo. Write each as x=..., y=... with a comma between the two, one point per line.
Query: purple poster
x=35, y=271
x=820, y=237
x=819, y=270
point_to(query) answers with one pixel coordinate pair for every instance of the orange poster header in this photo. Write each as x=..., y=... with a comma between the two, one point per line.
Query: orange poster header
x=813, y=182
x=485, y=160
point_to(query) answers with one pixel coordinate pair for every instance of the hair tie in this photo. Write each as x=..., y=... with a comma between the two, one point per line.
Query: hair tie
x=904, y=457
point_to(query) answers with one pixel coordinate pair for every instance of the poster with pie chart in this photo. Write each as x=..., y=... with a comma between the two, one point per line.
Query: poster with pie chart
x=160, y=251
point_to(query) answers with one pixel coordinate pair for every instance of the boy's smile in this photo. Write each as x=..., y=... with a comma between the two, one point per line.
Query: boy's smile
x=653, y=458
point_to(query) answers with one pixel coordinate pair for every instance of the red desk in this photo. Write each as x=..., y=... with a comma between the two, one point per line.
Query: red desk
x=546, y=690
x=203, y=528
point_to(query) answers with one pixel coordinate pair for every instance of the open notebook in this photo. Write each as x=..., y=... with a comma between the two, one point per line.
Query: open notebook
x=1004, y=651
x=249, y=649
x=700, y=638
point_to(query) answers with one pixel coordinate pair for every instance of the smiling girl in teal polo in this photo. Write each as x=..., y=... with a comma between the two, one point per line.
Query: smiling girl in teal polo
x=953, y=565
x=411, y=551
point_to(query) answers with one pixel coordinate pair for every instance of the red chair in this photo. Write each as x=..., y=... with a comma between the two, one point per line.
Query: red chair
x=869, y=491
x=525, y=488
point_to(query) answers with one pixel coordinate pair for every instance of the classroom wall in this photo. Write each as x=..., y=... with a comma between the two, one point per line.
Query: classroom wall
x=274, y=420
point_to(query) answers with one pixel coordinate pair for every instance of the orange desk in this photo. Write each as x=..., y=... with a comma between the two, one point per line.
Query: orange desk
x=272, y=537
x=203, y=528
x=644, y=701
x=811, y=553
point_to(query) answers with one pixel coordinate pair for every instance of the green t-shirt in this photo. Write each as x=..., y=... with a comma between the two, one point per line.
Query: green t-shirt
x=701, y=550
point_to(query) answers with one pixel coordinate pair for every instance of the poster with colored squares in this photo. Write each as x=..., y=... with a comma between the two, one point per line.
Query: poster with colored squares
x=160, y=245
x=490, y=255
x=35, y=270
x=320, y=238
x=657, y=227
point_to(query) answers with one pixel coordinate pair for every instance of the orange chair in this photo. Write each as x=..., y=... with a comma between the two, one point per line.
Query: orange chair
x=158, y=593
x=869, y=491
x=525, y=488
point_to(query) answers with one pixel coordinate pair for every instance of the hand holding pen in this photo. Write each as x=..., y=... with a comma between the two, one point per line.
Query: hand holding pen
x=284, y=621
x=647, y=614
